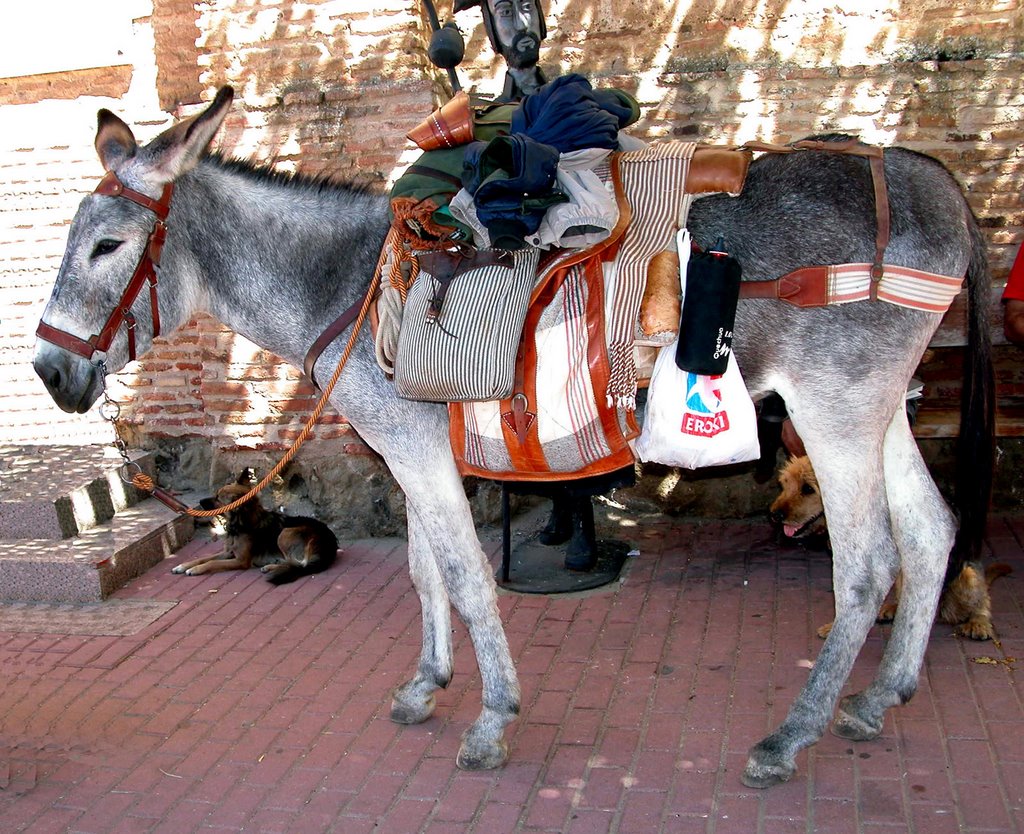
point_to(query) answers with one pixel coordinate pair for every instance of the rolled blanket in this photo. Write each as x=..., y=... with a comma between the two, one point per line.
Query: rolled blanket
x=568, y=114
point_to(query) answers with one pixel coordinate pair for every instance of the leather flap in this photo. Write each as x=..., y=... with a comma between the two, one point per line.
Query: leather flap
x=714, y=169
x=449, y=126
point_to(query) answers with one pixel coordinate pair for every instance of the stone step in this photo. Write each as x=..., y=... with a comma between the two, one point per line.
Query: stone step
x=57, y=492
x=97, y=562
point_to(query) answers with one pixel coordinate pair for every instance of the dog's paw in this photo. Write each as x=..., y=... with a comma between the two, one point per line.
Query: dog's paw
x=887, y=613
x=178, y=569
x=976, y=628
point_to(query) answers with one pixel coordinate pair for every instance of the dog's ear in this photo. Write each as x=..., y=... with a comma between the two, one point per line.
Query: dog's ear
x=246, y=477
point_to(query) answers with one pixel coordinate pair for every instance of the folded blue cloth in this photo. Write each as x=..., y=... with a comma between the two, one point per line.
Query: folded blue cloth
x=513, y=178
x=568, y=114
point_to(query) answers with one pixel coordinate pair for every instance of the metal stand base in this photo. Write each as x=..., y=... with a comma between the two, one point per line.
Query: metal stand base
x=534, y=568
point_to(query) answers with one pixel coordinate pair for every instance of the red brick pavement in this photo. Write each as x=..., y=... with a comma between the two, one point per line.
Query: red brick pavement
x=261, y=709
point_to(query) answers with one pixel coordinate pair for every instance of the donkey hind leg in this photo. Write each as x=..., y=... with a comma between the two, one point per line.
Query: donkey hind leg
x=864, y=566
x=413, y=702
x=441, y=516
x=924, y=529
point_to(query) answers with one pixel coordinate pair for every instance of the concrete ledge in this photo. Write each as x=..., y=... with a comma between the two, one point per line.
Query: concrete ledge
x=97, y=563
x=56, y=492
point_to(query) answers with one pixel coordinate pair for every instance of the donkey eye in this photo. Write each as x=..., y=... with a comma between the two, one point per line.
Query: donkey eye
x=105, y=247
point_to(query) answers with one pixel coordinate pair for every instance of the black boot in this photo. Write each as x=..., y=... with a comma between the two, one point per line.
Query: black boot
x=581, y=552
x=771, y=416
x=559, y=526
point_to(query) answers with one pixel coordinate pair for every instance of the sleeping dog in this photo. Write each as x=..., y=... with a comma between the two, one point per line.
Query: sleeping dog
x=283, y=547
x=965, y=603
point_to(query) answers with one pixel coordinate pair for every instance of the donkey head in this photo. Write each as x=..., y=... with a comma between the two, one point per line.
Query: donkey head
x=108, y=239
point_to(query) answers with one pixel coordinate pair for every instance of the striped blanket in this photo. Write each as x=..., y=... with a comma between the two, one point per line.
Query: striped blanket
x=558, y=423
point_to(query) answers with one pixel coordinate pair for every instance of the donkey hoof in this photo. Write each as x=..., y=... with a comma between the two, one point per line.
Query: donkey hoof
x=404, y=711
x=757, y=776
x=851, y=722
x=481, y=755
x=766, y=766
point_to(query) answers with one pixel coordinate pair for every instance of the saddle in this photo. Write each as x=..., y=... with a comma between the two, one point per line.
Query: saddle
x=564, y=418
x=511, y=435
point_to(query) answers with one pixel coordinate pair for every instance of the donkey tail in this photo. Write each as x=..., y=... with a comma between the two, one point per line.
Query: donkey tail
x=975, y=447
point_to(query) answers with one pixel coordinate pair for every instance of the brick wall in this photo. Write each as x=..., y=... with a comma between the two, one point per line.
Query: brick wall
x=176, y=52
x=332, y=87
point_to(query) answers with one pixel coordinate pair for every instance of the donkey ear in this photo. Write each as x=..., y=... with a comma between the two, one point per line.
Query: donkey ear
x=114, y=140
x=178, y=149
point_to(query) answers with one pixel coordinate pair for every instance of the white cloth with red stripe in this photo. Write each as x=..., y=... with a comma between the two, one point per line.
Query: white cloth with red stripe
x=901, y=285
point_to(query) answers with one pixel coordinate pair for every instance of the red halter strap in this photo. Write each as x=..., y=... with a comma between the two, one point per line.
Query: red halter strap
x=145, y=272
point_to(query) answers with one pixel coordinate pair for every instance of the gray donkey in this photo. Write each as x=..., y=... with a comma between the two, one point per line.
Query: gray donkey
x=277, y=258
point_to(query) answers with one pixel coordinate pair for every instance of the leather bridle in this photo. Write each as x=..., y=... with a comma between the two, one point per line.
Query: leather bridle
x=95, y=347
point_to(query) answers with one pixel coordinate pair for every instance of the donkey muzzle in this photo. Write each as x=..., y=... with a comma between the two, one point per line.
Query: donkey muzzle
x=72, y=382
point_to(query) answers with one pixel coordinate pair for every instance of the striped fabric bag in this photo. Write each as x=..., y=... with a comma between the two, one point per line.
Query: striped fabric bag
x=557, y=424
x=459, y=338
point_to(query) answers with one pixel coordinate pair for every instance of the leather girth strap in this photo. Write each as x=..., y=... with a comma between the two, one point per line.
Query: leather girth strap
x=808, y=286
x=333, y=331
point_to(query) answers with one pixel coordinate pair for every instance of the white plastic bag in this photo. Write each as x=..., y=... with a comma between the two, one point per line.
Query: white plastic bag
x=693, y=420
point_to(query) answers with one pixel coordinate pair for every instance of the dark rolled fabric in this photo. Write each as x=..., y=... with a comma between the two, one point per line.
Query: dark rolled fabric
x=512, y=180
x=567, y=115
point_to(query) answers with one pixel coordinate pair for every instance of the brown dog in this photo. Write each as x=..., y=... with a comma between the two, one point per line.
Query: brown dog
x=965, y=601
x=798, y=509
x=283, y=547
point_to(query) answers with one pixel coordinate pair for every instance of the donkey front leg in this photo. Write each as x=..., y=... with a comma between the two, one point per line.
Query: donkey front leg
x=924, y=529
x=864, y=566
x=445, y=557
x=441, y=516
x=413, y=702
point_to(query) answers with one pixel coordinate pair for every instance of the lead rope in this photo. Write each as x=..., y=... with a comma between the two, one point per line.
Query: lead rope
x=131, y=473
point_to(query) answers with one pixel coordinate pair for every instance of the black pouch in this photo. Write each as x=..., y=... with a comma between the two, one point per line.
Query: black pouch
x=709, y=312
